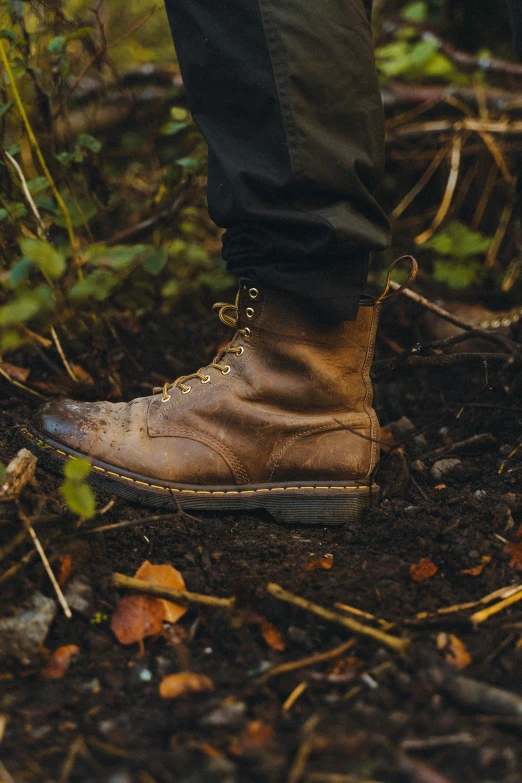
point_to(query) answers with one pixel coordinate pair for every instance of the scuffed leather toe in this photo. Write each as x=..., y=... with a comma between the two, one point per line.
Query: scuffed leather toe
x=71, y=423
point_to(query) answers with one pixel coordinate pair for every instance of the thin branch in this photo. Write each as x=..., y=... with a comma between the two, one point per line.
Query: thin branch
x=142, y=586
x=399, y=645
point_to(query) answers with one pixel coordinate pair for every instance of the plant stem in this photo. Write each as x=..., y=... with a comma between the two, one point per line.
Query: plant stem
x=34, y=143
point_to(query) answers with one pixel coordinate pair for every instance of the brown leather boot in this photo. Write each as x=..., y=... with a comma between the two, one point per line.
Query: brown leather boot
x=281, y=420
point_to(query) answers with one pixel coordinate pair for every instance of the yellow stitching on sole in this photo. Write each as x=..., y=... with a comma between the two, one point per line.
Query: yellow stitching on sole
x=45, y=445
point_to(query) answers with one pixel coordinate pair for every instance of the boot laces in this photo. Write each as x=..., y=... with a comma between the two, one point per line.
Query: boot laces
x=229, y=315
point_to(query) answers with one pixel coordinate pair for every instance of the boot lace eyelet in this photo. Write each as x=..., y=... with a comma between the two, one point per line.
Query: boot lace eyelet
x=205, y=379
x=253, y=293
x=240, y=351
x=226, y=369
x=165, y=399
x=187, y=390
x=250, y=312
x=247, y=333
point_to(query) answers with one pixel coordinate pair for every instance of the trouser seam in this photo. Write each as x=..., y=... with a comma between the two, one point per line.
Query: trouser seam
x=276, y=54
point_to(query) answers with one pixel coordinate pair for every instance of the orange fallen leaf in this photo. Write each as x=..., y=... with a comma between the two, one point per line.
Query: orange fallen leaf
x=136, y=617
x=256, y=736
x=65, y=569
x=515, y=550
x=59, y=662
x=20, y=374
x=423, y=570
x=325, y=563
x=478, y=569
x=175, y=685
x=82, y=375
x=165, y=576
x=440, y=486
x=456, y=652
x=272, y=636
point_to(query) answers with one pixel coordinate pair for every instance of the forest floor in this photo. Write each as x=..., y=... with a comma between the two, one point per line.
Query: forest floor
x=430, y=715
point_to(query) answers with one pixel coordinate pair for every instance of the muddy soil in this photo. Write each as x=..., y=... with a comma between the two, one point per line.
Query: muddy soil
x=369, y=714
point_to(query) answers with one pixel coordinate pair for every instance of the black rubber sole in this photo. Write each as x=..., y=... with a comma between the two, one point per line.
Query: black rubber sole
x=305, y=503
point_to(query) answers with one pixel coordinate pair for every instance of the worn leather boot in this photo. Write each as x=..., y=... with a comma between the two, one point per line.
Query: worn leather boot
x=281, y=420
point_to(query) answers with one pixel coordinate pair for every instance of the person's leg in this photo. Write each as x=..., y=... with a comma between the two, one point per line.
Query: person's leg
x=285, y=93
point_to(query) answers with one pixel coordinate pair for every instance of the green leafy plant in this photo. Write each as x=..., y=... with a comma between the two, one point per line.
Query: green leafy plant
x=78, y=496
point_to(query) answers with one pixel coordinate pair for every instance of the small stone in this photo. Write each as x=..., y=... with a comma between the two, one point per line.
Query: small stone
x=145, y=675
x=444, y=466
x=505, y=450
x=229, y=715
x=418, y=466
x=474, y=554
x=121, y=776
x=79, y=595
x=411, y=510
x=22, y=635
x=480, y=494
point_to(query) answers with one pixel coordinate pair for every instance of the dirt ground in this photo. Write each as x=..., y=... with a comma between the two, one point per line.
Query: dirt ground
x=369, y=714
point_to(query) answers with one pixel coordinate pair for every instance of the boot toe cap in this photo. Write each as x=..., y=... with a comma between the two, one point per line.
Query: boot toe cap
x=66, y=422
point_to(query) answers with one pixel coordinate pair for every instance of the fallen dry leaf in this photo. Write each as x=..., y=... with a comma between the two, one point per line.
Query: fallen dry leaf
x=456, y=652
x=272, y=636
x=165, y=576
x=440, y=486
x=82, y=375
x=478, y=569
x=175, y=685
x=256, y=736
x=59, y=662
x=65, y=569
x=20, y=374
x=325, y=563
x=515, y=550
x=423, y=570
x=136, y=617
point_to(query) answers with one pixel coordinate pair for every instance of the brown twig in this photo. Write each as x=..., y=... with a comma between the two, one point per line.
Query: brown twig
x=399, y=645
x=149, y=588
x=485, y=614
x=310, y=660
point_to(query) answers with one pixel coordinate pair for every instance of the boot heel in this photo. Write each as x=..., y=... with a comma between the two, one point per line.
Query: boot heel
x=322, y=507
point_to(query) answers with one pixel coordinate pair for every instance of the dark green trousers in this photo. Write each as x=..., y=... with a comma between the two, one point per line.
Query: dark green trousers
x=286, y=95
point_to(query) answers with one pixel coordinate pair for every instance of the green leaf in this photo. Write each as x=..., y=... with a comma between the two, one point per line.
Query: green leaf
x=77, y=469
x=172, y=288
x=155, y=261
x=49, y=260
x=81, y=211
x=20, y=271
x=5, y=108
x=55, y=46
x=416, y=12
x=98, y=286
x=118, y=257
x=79, y=498
x=3, y=214
x=459, y=241
x=26, y=306
x=88, y=142
x=3, y=473
x=178, y=114
x=38, y=185
x=16, y=210
x=190, y=164
x=173, y=128
x=10, y=340
x=14, y=149
x=456, y=275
